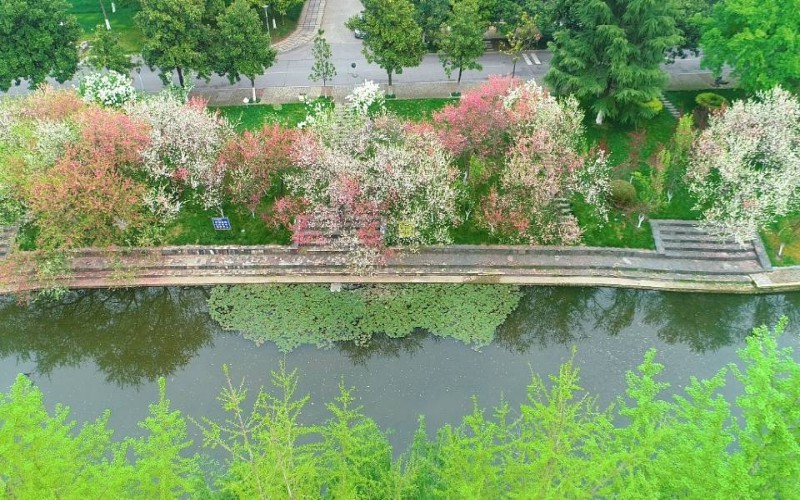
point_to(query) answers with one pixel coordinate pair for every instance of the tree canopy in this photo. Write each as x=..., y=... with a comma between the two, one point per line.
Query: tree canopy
x=38, y=39
x=461, y=38
x=242, y=46
x=393, y=39
x=173, y=31
x=759, y=39
x=608, y=53
x=558, y=443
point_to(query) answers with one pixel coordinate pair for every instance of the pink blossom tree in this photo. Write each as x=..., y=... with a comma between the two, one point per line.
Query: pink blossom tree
x=478, y=123
x=249, y=163
x=372, y=183
x=547, y=160
x=744, y=168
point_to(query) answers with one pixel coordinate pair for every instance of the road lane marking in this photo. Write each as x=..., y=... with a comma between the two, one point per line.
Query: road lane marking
x=527, y=60
x=535, y=58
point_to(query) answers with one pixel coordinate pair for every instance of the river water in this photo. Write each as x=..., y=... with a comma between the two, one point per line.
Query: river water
x=105, y=349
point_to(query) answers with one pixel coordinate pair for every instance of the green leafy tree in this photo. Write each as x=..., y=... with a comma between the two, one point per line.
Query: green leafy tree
x=608, y=53
x=173, y=32
x=461, y=40
x=356, y=455
x=393, y=40
x=38, y=39
x=41, y=452
x=690, y=17
x=759, y=39
x=281, y=7
x=107, y=53
x=430, y=15
x=323, y=68
x=522, y=37
x=162, y=468
x=242, y=45
x=270, y=453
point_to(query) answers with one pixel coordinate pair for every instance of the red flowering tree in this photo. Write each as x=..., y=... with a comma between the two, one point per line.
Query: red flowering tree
x=86, y=201
x=88, y=198
x=478, y=123
x=250, y=162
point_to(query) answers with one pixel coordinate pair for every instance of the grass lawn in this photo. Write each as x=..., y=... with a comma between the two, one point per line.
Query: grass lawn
x=417, y=109
x=253, y=116
x=90, y=15
x=193, y=227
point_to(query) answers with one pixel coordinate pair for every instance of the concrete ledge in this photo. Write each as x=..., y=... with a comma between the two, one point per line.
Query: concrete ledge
x=565, y=266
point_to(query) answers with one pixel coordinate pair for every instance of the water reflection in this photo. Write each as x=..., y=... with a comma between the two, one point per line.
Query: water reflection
x=132, y=335
x=136, y=335
x=383, y=346
x=704, y=322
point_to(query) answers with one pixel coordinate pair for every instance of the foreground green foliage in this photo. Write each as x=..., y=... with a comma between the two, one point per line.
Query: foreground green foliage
x=558, y=444
x=293, y=315
x=37, y=40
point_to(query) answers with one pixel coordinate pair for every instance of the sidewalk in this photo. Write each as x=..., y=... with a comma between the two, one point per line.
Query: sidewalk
x=308, y=24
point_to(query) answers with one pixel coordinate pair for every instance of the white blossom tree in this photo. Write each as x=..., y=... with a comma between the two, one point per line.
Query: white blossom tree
x=745, y=167
x=186, y=139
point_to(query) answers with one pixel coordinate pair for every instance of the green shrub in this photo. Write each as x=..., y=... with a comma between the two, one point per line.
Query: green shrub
x=623, y=194
x=710, y=100
x=653, y=107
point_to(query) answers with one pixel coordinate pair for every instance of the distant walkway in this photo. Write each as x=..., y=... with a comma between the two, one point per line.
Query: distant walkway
x=308, y=24
x=688, y=259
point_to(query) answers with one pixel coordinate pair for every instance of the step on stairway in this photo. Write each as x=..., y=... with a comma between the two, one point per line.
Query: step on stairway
x=7, y=235
x=671, y=109
x=689, y=240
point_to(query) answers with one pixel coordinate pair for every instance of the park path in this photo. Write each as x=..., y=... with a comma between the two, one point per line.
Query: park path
x=308, y=23
x=687, y=258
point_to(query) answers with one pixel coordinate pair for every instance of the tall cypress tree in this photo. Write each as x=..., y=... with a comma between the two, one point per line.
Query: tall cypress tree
x=608, y=53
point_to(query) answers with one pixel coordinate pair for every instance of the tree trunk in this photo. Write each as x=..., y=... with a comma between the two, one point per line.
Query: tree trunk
x=460, y=70
x=253, y=84
x=390, y=77
x=180, y=75
x=780, y=250
x=599, y=119
x=514, y=67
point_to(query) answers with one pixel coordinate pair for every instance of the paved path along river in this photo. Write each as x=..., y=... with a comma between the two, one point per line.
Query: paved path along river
x=687, y=258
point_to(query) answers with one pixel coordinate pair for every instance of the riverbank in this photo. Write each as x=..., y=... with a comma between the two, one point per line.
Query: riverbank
x=690, y=266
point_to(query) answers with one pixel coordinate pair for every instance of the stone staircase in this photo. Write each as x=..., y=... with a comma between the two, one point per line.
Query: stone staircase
x=688, y=240
x=7, y=235
x=330, y=230
x=671, y=109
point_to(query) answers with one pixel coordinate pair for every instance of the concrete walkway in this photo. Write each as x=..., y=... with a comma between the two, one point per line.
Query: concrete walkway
x=308, y=24
x=700, y=267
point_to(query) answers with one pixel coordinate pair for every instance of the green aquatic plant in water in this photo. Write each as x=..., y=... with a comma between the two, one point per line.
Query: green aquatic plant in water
x=292, y=315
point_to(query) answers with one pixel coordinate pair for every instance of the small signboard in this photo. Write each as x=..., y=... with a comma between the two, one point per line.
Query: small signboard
x=221, y=223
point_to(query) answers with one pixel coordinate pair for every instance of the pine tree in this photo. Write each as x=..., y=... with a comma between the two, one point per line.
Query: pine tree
x=608, y=53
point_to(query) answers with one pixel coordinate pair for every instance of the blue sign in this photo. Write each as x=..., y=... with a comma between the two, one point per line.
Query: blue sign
x=221, y=223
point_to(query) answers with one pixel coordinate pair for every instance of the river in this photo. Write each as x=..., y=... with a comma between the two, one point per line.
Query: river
x=102, y=349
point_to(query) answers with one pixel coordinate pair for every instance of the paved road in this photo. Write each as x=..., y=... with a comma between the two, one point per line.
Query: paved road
x=293, y=67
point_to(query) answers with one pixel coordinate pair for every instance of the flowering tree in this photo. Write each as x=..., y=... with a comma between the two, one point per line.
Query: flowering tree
x=108, y=89
x=250, y=161
x=477, y=123
x=185, y=142
x=372, y=181
x=546, y=161
x=85, y=201
x=745, y=167
x=89, y=197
